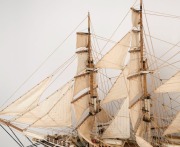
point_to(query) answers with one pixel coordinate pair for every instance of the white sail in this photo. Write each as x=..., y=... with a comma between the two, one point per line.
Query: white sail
x=54, y=111
x=134, y=65
x=172, y=85
x=120, y=88
x=142, y=143
x=85, y=129
x=135, y=85
x=82, y=60
x=116, y=56
x=80, y=106
x=135, y=113
x=135, y=17
x=174, y=127
x=120, y=126
x=82, y=40
x=27, y=101
x=81, y=83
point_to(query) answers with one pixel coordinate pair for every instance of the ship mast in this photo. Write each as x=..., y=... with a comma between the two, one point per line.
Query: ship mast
x=93, y=96
x=146, y=97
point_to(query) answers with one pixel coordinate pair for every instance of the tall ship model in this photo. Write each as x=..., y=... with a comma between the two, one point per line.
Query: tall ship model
x=116, y=99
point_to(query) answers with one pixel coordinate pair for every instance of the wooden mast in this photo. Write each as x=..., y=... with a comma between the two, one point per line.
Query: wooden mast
x=91, y=70
x=11, y=125
x=146, y=97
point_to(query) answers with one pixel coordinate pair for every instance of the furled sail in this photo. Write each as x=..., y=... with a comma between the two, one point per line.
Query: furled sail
x=141, y=142
x=28, y=100
x=120, y=88
x=55, y=111
x=116, y=56
x=174, y=127
x=82, y=40
x=120, y=125
x=172, y=85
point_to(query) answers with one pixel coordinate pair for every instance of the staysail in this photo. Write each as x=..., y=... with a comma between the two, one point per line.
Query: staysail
x=172, y=85
x=116, y=56
x=120, y=88
x=28, y=100
x=55, y=111
x=174, y=127
x=120, y=125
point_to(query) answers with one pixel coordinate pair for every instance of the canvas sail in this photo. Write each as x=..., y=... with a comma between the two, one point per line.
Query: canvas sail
x=174, y=127
x=172, y=85
x=81, y=83
x=85, y=130
x=80, y=106
x=135, y=17
x=28, y=101
x=116, y=56
x=120, y=88
x=55, y=111
x=120, y=125
x=82, y=40
x=82, y=60
x=142, y=143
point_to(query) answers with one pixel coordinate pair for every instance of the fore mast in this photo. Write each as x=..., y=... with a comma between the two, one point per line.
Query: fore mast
x=94, y=102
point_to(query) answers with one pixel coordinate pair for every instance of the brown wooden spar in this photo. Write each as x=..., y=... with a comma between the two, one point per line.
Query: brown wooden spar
x=11, y=125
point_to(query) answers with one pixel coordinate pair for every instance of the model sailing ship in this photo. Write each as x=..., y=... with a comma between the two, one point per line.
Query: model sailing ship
x=136, y=122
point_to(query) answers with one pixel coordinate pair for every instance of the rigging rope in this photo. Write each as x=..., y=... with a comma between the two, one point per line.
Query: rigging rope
x=55, y=72
x=118, y=27
x=47, y=58
x=30, y=141
x=163, y=13
x=161, y=40
x=15, y=136
x=11, y=136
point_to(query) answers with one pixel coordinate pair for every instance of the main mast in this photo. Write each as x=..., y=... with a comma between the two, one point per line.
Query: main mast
x=146, y=97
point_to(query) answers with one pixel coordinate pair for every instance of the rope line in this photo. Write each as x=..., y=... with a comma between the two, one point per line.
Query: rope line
x=35, y=71
x=11, y=136
x=118, y=27
x=15, y=136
